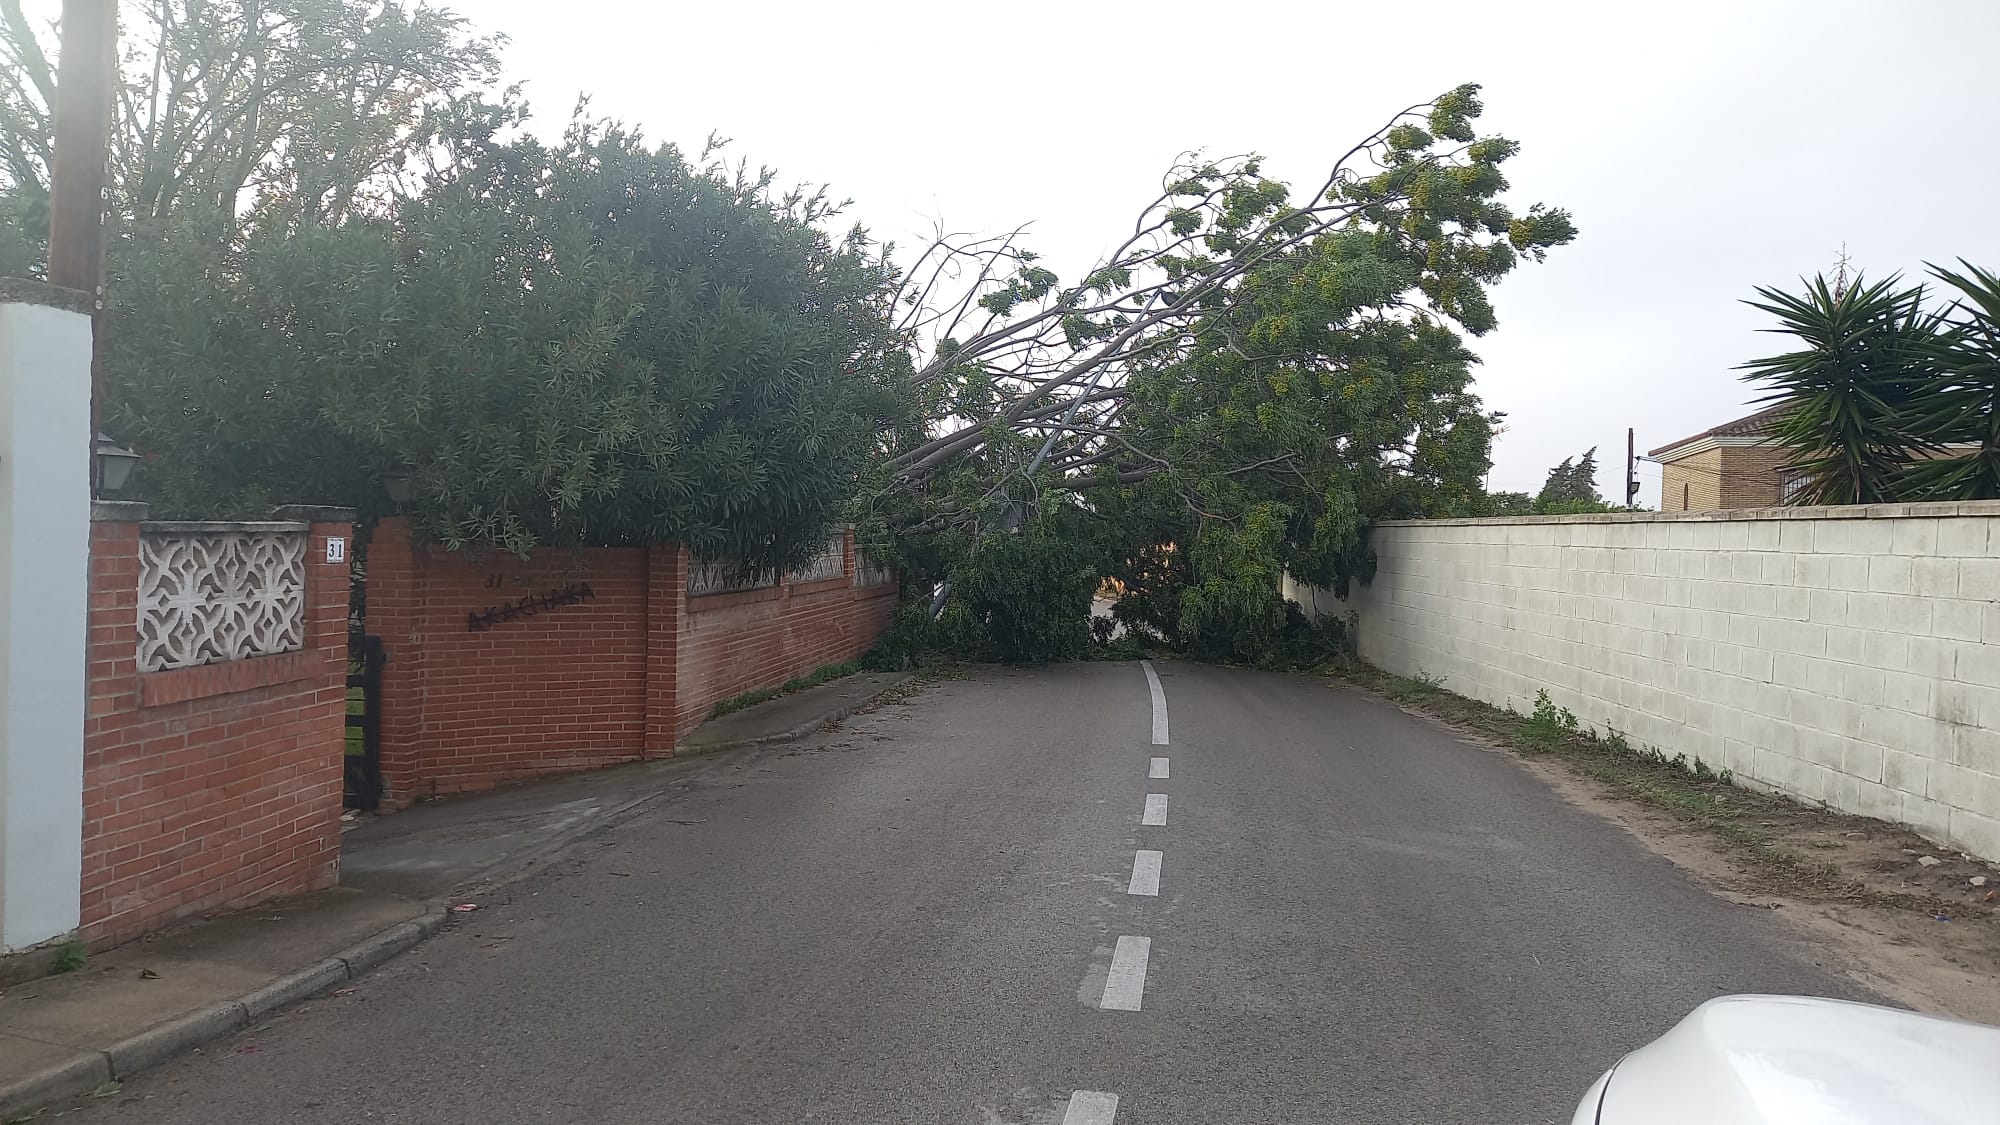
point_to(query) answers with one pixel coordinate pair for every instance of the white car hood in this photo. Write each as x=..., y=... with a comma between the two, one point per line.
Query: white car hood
x=1794, y=1060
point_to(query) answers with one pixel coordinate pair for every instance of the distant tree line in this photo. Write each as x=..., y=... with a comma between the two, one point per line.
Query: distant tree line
x=1571, y=489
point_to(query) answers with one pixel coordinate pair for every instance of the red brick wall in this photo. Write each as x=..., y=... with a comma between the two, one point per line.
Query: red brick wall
x=212, y=788
x=733, y=643
x=560, y=690
x=621, y=676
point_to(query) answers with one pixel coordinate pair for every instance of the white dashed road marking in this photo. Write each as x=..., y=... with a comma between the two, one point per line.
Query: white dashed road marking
x=1156, y=810
x=1126, y=986
x=1145, y=874
x=1159, y=703
x=1159, y=770
x=1088, y=1107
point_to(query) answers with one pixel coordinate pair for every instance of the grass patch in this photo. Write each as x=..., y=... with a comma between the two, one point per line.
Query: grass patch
x=1700, y=797
x=71, y=956
x=812, y=679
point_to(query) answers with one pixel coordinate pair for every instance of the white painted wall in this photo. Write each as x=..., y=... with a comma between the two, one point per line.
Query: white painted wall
x=1845, y=655
x=45, y=455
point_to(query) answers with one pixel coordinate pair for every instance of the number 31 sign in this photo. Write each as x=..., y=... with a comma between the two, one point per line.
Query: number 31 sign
x=336, y=549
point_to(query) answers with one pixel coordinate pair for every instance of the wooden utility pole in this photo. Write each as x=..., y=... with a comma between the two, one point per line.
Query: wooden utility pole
x=86, y=71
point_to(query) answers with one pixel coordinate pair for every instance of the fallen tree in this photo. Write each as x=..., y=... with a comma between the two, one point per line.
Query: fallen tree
x=1244, y=364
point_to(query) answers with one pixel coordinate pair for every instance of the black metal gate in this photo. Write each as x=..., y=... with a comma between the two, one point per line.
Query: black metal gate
x=364, y=721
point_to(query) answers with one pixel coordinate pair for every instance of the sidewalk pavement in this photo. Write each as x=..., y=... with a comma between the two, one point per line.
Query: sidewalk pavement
x=791, y=716
x=145, y=1002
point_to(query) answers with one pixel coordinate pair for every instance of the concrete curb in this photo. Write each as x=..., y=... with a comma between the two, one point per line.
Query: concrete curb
x=54, y=1084
x=163, y=1041
x=374, y=950
x=293, y=987
x=794, y=733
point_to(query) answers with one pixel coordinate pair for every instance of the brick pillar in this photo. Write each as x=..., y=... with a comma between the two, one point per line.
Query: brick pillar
x=113, y=662
x=666, y=606
x=395, y=614
x=113, y=655
x=329, y=586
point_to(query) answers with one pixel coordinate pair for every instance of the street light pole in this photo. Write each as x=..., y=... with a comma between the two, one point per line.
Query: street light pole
x=1631, y=470
x=85, y=72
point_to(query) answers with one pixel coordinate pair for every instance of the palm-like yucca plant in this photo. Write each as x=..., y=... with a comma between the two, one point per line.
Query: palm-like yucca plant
x=1959, y=412
x=1853, y=388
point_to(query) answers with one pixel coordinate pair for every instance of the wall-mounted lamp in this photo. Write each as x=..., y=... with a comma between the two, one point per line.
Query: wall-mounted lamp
x=401, y=485
x=114, y=464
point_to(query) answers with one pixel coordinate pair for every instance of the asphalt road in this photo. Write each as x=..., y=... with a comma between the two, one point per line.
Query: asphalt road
x=1359, y=919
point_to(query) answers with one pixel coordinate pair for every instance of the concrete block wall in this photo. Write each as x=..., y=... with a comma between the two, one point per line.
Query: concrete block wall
x=214, y=787
x=1845, y=655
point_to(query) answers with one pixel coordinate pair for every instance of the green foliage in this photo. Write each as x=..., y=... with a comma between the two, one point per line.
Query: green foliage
x=1697, y=769
x=1021, y=598
x=1230, y=608
x=1552, y=729
x=261, y=117
x=325, y=263
x=1850, y=386
x=71, y=956
x=1547, y=727
x=1126, y=646
x=591, y=342
x=1572, y=487
x=1888, y=400
x=1030, y=594
x=24, y=233
x=1240, y=389
x=1310, y=646
x=822, y=675
x=1414, y=688
x=1570, y=490
x=1960, y=414
x=915, y=637
x=267, y=113
x=1505, y=504
x=1573, y=507
x=226, y=411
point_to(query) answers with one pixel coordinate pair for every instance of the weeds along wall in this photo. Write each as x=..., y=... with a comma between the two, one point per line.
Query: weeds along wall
x=1841, y=655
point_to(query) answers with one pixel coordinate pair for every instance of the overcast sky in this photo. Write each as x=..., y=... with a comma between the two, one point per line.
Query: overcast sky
x=1703, y=147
